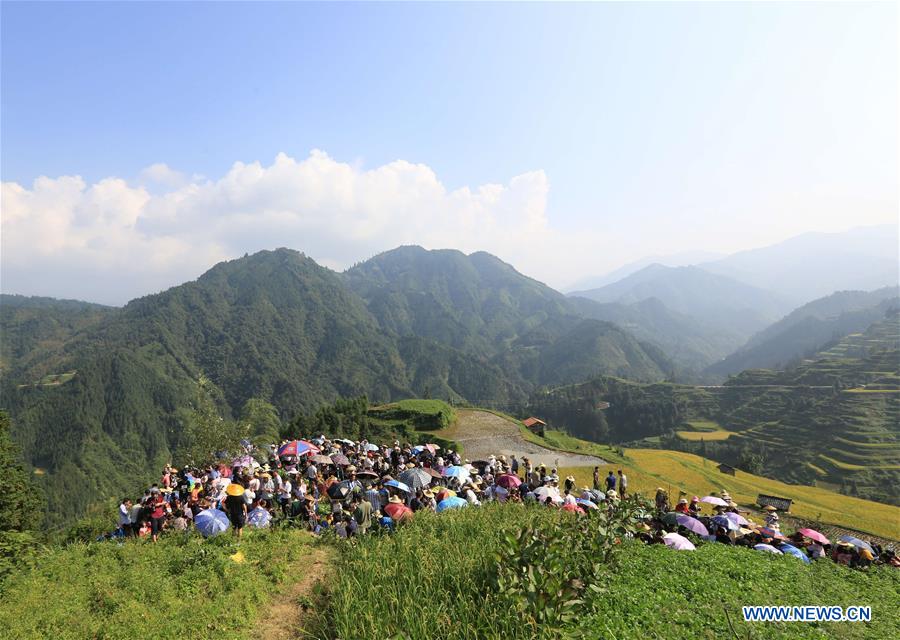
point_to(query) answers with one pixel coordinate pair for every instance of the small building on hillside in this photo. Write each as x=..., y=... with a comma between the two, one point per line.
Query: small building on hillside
x=535, y=426
x=724, y=468
x=602, y=405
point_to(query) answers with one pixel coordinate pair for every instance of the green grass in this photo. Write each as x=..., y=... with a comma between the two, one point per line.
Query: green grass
x=431, y=579
x=182, y=587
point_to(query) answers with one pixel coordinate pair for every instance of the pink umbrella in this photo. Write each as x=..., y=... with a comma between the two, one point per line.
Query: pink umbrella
x=509, y=481
x=574, y=508
x=692, y=524
x=714, y=500
x=677, y=542
x=737, y=519
x=812, y=534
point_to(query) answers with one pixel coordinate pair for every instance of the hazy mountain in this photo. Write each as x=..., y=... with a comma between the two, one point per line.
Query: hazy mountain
x=681, y=259
x=808, y=328
x=715, y=300
x=813, y=265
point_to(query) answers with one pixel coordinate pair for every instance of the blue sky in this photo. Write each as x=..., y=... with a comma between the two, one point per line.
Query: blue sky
x=636, y=129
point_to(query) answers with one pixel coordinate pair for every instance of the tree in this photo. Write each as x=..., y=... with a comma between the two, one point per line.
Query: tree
x=21, y=500
x=262, y=420
x=207, y=435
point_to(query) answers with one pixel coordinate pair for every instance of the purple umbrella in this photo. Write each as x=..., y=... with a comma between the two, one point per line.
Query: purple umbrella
x=737, y=519
x=340, y=459
x=692, y=524
x=677, y=542
x=714, y=500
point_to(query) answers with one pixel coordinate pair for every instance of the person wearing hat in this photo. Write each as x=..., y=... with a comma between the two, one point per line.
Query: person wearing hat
x=694, y=508
x=236, y=507
x=662, y=500
x=682, y=506
x=569, y=484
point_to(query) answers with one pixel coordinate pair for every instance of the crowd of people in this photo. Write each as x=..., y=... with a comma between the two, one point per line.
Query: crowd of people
x=352, y=488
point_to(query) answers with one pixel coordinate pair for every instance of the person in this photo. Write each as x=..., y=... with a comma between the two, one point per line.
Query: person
x=682, y=506
x=610, y=481
x=662, y=500
x=236, y=508
x=623, y=484
x=694, y=508
x=596, y=478
x=362, y=514
x=134, y=515
x=514, y=465
x=125, y=519
x=569, y=484
x=157, y=515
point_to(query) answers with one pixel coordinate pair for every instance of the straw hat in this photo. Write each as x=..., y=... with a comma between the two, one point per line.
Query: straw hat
x=234, y=490
x=770, y=508
x=571, y=478
x=428, y=493
x=682, y=501
x=395, y=500
x=351, y=469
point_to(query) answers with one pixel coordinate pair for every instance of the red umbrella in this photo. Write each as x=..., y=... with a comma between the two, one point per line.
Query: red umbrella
x=574, y=508
x=812, y=534
x=509, y=481
x=398, y=511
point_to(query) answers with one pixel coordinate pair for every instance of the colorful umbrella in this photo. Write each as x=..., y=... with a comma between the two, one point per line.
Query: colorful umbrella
x=812, y=534
x=457, y=472
x=297, y=448
x=790, y=550
x=767, y=532
x=416, y=478
x=859, y=544
x=452, y=502
x=211, y=522
x=340, y=459
x=259, y=518
x=767, y=547
x=397, y=485
x=691, y=524
x=678, y=542
x=714, y=500
x=398, y=511
x=509, y=481
x=737, y=518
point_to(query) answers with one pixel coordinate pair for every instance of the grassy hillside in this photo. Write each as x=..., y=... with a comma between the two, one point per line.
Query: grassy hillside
x=182, y=587
x=444, y=588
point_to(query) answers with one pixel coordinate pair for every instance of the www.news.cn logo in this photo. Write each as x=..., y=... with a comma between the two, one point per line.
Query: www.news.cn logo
x=807, y=614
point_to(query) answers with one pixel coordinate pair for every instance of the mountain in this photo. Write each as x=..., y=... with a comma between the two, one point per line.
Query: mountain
x=730, y=307
x=808, y=328
x=813, y=265
x=99, y=397
x=681, y=259
x=833, y=420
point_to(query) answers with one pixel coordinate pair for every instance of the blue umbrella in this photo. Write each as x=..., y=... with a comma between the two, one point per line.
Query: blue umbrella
x=856, y=542
x=397, y=485
x=418, y=449
x=457, y=472
x=452, y=502
x=790, y=550
x=259, y=518
x=727, y=523
x=586, y=503
x=211, y=522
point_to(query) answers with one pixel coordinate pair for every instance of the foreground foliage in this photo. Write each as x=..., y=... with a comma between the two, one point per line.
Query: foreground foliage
x=436, y=577
x=182, y=587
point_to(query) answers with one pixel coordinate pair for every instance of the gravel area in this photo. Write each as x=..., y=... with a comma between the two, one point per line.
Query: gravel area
x=482, y=433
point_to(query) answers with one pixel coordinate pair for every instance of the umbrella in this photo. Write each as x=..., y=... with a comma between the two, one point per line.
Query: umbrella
x=670, y=519
x=415, y=478
x=338, y=491
x=433, y=473
x=691, y=524
x=244, y=461
x=433, y=448
x=859, y=544
x=812, y=534
x=677, y=542
x=599, y=496
x=574, y=508
x=340, y=459
x=398, y=485
x=363, y=475
x=767, y=532
x=259, y=518
x=297, y=448
x=586, y=503
x=542, y=493
x=418, y=449
x=790, y=550
x=371, y=447
x=398, y=511
x=452, y=502
x=211, y=522
x=345, y=441
x=457, y=472
x=728, y=523
x=737, y=518
x=714, y=500
x=509, y=481
x=320, y=459
x=767, y=547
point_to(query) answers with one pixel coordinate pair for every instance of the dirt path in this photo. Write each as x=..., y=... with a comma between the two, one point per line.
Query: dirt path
x=482, y=433
x=281, y=619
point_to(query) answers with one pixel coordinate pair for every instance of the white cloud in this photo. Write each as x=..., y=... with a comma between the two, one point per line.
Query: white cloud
x=111, y=241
